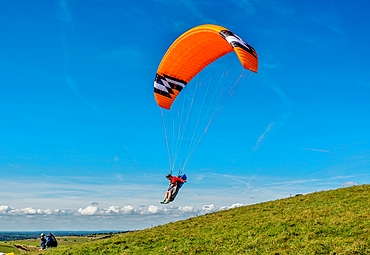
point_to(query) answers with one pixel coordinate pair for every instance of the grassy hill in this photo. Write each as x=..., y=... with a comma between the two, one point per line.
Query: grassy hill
x=327, y=222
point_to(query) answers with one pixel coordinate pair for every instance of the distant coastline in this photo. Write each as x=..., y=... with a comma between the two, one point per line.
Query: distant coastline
x=20, y=235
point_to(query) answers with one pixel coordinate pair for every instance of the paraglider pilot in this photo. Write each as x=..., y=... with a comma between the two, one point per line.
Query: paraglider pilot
x=172, y=189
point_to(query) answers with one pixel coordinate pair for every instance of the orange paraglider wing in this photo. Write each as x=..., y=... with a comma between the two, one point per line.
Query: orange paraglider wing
x=193, y=51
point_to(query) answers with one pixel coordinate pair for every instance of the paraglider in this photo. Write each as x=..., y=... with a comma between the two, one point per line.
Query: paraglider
x=188, y=55
x=191, y=52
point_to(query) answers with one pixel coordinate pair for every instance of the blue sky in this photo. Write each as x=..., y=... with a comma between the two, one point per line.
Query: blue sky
x=82, y=144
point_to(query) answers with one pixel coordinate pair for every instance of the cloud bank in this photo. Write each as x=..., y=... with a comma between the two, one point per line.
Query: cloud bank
x=115, y=210
x=94, y=218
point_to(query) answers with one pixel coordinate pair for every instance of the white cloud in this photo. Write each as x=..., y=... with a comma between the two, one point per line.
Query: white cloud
x=112, y=209
x=317, y=150
x=128, y=209
x=188, y=209
x=235, y=206
x=348, y=184
x=115, y=210
x=90, y=210
x=153, y=209
x=7, y=210
x=94, y=218
x=208, y=208
x=262, y=137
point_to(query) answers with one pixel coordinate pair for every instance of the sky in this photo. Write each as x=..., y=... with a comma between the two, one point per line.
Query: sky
x=82, y=141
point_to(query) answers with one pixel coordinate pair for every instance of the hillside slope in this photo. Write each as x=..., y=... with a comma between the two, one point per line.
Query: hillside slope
x=327, y=222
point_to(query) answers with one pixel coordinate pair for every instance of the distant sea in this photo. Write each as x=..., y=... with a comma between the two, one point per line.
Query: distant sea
x=18, y=235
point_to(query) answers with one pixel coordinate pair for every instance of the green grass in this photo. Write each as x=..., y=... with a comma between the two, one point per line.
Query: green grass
x=34, y=244
x=328, y=222
x=6, y=247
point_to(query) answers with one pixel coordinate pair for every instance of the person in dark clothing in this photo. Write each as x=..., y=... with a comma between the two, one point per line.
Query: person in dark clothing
x=43, y=242
x=51, y=241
